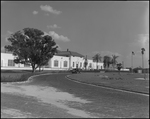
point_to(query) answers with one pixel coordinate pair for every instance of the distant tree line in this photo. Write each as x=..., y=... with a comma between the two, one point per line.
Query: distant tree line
x=107, y=60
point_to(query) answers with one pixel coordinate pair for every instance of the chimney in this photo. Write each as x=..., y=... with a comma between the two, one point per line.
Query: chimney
x=67, y=50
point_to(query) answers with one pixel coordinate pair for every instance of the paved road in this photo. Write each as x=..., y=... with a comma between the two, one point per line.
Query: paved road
x=38, y=99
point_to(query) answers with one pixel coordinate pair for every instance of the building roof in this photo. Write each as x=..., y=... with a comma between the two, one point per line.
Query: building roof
x=60, y=53
x=68, y=53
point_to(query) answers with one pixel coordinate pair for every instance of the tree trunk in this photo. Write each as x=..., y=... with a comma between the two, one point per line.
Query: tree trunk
x=33, y=68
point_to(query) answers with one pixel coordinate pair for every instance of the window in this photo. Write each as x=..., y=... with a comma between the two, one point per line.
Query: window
x=73, y=64
x=55, y=63
x=80, y=64
x=65, y=63
x=11, y=63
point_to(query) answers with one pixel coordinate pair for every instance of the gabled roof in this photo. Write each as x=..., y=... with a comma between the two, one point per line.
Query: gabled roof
x=68, y=53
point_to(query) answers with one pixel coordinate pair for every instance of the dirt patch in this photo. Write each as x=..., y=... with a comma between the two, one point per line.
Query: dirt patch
x=48, y=95
x=9, y=113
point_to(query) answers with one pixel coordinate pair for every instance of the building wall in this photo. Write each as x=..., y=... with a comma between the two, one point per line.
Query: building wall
x=94, y=65
x=77, y=61
x=60, y=60
x=100, y=65
x=4, y=60
x=51, y=65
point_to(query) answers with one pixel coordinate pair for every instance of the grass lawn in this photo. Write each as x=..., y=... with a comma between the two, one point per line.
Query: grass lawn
x=22, y=75
x=124, y=81
x=19, y=75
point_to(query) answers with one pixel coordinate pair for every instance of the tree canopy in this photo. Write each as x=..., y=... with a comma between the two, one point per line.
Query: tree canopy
x=31, y=46
x=142, y=50
x=107, y=61
x=114, y=61
x=119, y=66
x=97, y=58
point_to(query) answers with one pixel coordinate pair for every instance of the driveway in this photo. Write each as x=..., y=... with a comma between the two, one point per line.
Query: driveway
x=55, y=96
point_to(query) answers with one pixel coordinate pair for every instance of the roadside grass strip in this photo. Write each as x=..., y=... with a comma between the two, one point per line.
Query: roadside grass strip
x=29, y=79
x=14, y=77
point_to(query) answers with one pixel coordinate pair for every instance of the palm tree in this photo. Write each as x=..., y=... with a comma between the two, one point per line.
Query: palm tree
x=114, y=61
x=107, y=61
x=97, y=58
x=142, y=51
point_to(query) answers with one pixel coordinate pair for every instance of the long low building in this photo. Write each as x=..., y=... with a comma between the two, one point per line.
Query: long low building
x=63, y=60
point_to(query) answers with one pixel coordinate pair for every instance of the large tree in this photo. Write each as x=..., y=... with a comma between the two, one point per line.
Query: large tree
x=31, y=46
x=97, y=58
x=107, y=61
x=114, y=61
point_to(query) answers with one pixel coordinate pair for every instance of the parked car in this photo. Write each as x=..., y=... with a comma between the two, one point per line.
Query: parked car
x=76, y=70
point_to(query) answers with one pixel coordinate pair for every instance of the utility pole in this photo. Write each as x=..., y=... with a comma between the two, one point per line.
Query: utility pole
x=132, y=61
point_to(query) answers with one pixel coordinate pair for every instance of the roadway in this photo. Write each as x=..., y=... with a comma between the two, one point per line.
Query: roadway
x=56, y=96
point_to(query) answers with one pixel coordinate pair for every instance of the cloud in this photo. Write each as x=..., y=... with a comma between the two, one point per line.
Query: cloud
x=5, y=36
x=35, y=12
x=9, y=32
x=55, y=36
x=59, y=48
x=6, y=39
x=48, y=8
x=53, y=26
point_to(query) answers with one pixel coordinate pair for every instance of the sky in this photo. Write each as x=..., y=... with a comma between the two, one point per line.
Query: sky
x=86, y=27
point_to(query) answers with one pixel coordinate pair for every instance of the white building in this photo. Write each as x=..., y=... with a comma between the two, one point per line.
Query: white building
x=63, y=60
